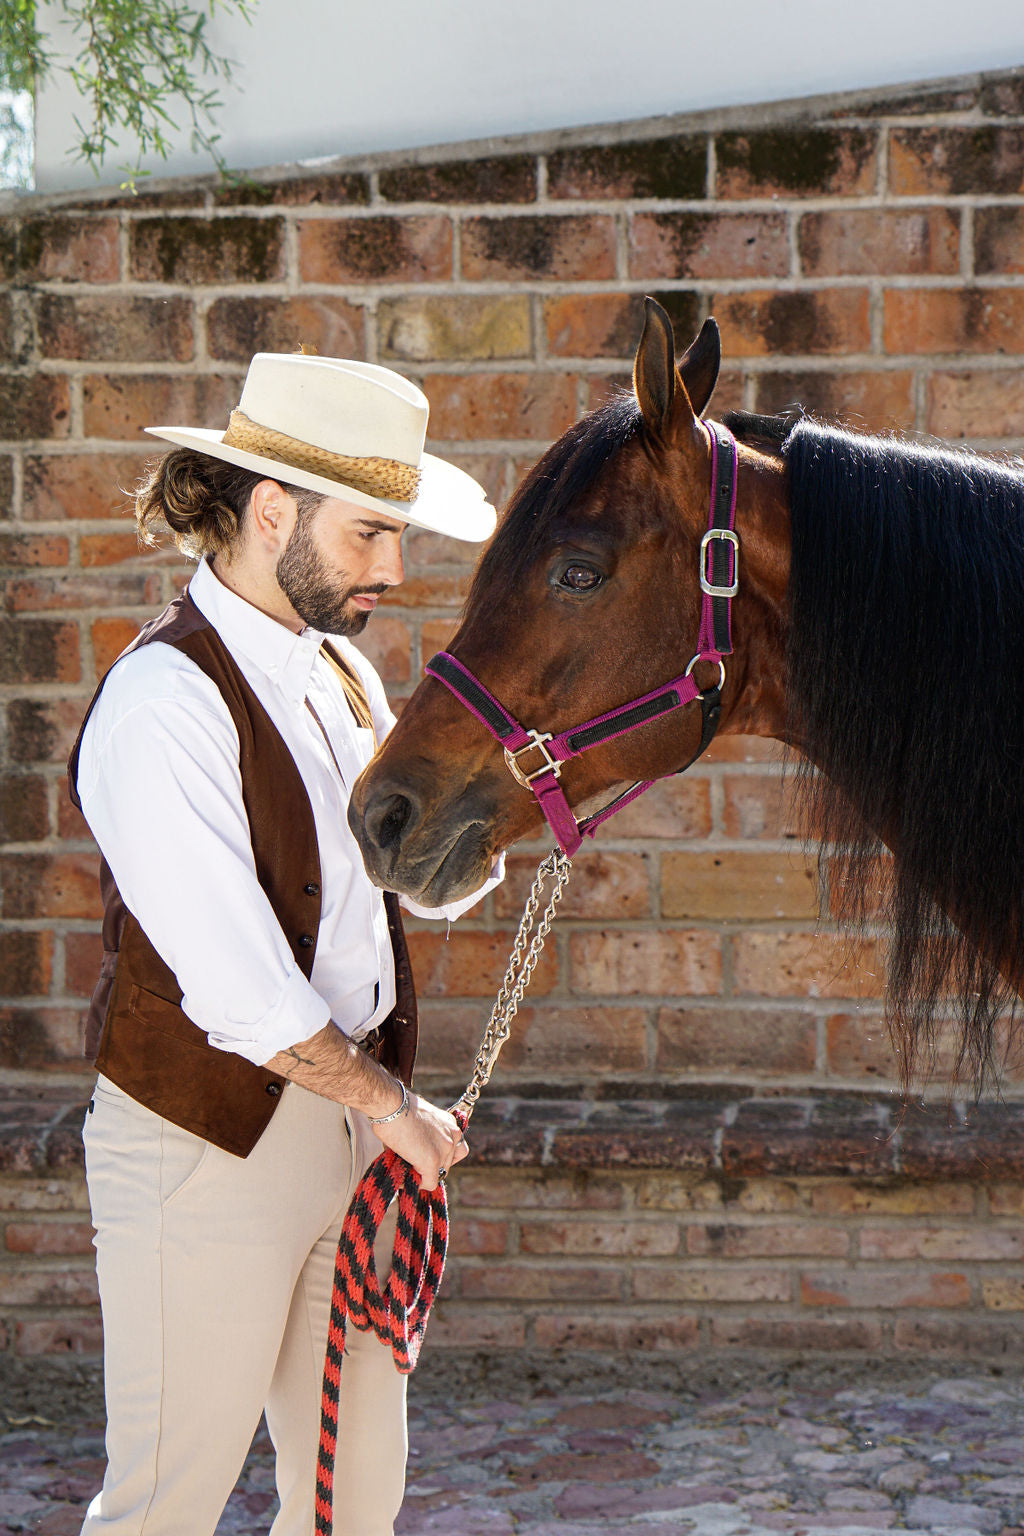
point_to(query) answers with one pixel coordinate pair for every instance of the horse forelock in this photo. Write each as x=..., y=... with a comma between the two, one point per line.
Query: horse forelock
x=904, y=682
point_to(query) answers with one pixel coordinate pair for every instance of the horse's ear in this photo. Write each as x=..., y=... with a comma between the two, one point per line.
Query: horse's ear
x=699, y=365
x=654, y=371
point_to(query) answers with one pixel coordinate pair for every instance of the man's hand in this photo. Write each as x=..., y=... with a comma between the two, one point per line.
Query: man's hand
x=427, y=1137
x=333, y=1066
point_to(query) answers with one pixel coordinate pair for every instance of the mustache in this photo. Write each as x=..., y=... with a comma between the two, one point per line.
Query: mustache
x=375, y=591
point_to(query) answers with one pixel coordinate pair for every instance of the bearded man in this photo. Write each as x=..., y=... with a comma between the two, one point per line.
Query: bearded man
x=254, y=1024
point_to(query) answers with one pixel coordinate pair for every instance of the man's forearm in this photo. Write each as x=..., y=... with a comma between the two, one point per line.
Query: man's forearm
x=333, y=1066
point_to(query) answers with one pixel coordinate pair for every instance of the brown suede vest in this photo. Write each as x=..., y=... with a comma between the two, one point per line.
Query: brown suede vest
x=136, y=1031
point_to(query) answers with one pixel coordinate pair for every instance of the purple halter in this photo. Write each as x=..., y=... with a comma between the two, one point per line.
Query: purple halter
x=719, y=572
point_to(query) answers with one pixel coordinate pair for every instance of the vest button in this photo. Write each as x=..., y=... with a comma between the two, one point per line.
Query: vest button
x=306, y=940
x=312, y=889
x=274, y=1090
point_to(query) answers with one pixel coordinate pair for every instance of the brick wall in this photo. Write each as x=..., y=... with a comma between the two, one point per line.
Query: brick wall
x=862, y=255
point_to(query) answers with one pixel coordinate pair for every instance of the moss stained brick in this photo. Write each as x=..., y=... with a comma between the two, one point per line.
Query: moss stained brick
x=237, y=328
x=98, y=328
x=376, y=249
x=494, y=179
x=34, y=406
x=190, y=250
x=674, y=167
x=956, y=161
x=332, y=189
x=798, y=162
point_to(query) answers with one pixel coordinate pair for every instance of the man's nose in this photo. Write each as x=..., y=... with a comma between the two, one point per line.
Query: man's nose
x=392, y=565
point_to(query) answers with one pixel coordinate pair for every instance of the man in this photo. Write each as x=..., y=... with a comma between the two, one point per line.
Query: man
x=254, y=1024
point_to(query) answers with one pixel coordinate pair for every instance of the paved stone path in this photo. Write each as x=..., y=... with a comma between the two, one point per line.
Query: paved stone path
x=818, y=1453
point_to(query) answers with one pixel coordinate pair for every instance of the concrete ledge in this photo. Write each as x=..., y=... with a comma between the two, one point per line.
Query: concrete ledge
x=731, y=1133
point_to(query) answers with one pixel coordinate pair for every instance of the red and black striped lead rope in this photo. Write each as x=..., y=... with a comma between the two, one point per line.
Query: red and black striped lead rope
x=397, y=1312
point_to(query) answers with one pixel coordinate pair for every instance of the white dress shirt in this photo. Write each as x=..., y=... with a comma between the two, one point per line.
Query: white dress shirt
x=161, y=791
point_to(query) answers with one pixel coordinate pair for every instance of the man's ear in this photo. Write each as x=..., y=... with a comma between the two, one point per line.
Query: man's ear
x=272, y=513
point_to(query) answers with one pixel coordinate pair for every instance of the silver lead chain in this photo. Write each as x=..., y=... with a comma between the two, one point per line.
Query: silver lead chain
x=526, y=952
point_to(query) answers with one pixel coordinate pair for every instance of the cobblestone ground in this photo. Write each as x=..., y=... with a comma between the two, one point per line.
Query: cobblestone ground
x=812, y=1451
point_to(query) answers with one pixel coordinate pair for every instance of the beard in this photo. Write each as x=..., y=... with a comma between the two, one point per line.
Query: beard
x=319, y=596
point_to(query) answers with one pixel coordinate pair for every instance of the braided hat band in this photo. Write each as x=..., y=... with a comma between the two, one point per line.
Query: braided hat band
x=388, y=478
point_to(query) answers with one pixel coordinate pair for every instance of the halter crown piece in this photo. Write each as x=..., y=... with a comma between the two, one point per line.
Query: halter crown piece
x=535, y=758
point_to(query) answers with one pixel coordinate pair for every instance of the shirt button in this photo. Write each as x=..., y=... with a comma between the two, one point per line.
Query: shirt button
x=312, y=889
x=306, y=940
x=274, y=1090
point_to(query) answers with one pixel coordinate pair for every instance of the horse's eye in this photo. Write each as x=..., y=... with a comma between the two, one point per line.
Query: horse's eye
x=580, y=578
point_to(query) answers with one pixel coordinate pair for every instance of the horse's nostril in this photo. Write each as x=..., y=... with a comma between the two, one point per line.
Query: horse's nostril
x=393, y=822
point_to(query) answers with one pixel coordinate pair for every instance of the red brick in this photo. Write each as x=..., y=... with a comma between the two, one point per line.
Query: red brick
x=24, y=809
x=38, y=549
x=50, y=885
x=797, y=162
x=904, y=1199
x=187, y=250
x=86, y=485
x=1006, y=1200
x=708, y=245
x=82, y=955
x=78, y=589
x=34, y=406
x=58, y=1193
x=491, y=179
x=684, y=1282
x=677, y=1192
x=109, y=639
x=26, y=962
x=536, y=1282
x=779, y=323
x=852, y=242
x=629, y=961
x=43, y=730
x=486, y=1328
x=74, y=248
x=869, y=1288
x=967, y=1244
x=999, y=240
x=431, y=589
x=463, y=327
x=479, y=1236
x=979, y=404
x=598, y=1039
x=531, y=1189
x=603, y=885
x=532, y=406
x=734, y=1042
x=737, y=884
x=71, y=824
x=47, y=1287
x=59, y=1336
x=677, y=807
x=798, y=1335
x=674, y=167
x=34, y=1039
x=727, y=748
x=415, y=249
x=593, y=324
x=759, y=805
x=859, y=1046
x=122, y=405
x=870, y=402
x=930, y=320
x=96, y=328
x=387, y=643
x=576, y=248
x=239, y=327
x=99, y=549
x=616, y=1332
x=776, y=1241
x=953, y=161
x=296, y=190
x=37, y=651
x=470, y=964
x=967, y=1337
x=48, y=1237
x=810, y=965
x=633, y=1239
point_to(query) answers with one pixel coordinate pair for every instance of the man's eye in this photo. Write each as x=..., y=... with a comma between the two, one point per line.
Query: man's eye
x=580, y=578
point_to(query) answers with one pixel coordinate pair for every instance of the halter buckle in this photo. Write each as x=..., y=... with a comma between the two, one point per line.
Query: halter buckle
x=549, y=765
x=730, y=538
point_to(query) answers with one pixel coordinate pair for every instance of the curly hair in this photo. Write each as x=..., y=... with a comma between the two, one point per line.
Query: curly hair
x=202, y=500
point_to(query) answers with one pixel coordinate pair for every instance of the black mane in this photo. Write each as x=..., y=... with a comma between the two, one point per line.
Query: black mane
x=906, y=687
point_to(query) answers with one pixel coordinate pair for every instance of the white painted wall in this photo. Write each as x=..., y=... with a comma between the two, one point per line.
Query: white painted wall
x=328, y=77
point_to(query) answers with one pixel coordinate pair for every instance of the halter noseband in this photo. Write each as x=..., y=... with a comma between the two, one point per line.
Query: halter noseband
x=719, y=583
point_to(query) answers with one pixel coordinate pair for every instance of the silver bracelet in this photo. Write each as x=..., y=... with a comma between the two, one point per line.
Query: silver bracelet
x=385, y=1119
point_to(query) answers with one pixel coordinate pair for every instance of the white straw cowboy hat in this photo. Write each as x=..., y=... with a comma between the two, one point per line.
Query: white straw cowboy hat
x=345, y=429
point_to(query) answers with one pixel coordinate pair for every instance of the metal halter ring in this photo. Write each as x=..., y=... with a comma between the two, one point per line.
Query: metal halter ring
x=549, y=765
x=701, y=657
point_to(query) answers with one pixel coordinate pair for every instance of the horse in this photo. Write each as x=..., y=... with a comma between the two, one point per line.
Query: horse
x=859, y=599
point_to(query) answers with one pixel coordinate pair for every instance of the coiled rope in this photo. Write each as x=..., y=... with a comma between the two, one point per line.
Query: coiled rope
x=398, y=1313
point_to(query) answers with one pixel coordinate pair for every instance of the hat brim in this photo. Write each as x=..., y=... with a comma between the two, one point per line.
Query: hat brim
x=449, y=501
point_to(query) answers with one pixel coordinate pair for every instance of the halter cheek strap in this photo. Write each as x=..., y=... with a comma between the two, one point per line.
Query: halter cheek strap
x=535, y=758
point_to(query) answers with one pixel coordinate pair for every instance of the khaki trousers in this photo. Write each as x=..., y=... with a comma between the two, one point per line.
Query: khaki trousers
x=215, y=1280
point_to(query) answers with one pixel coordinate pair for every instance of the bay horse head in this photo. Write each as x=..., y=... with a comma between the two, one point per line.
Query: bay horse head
x=588, y=597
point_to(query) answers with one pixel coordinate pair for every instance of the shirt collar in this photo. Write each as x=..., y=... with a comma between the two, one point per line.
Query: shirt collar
x=286, y=657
